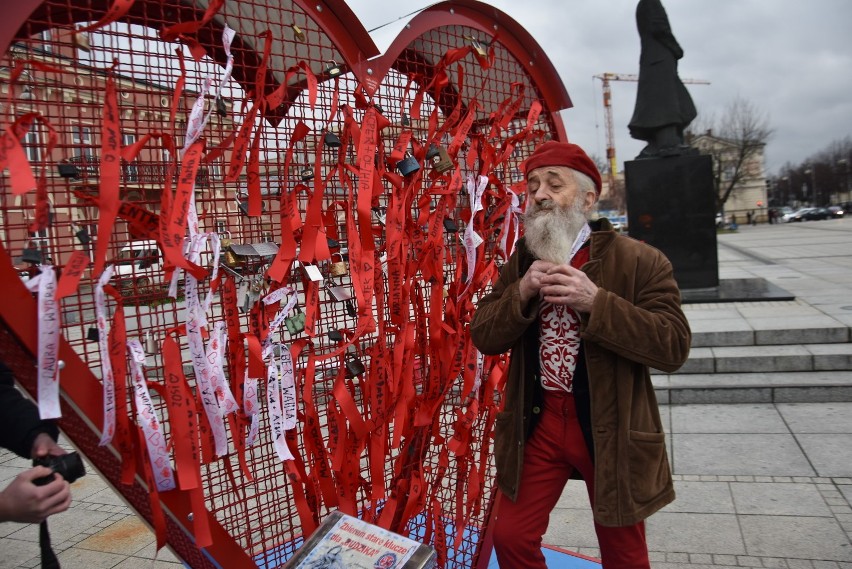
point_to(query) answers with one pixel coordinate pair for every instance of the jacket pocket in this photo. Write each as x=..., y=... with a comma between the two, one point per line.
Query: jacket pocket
x=649, y=466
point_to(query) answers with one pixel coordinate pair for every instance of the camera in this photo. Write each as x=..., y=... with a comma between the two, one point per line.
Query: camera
x=70, y=466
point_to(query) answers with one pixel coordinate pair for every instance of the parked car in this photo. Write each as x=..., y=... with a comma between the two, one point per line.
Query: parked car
x=138, y=262
x=836, y=211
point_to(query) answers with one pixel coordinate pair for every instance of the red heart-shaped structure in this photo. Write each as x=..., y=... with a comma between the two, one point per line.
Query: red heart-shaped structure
x=288, y=231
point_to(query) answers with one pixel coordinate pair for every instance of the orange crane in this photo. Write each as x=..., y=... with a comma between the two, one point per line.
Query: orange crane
x=607, y=102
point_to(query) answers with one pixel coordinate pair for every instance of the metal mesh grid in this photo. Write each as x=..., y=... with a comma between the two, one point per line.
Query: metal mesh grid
x=63, y=79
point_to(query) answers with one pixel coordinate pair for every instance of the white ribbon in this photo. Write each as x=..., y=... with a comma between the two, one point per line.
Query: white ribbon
x=472, y=239
x=156, y=442
x=107, y=374
x=195, y=320
x=48, y=343
x=278, y=402
x=511, y=218
x=250, y=406
x=215, y=352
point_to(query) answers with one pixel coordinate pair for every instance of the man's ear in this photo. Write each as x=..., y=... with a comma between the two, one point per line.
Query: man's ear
x=591, y=199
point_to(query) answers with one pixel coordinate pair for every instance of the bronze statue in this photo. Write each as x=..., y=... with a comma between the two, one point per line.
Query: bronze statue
x=663, y=105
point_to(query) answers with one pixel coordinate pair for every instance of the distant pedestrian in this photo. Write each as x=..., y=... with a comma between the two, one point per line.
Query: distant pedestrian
x=750, y=217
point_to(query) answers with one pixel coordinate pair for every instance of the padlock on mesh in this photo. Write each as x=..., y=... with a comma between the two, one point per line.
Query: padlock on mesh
x=295, y=323
x=333, y=69
x=307, y=174
x=221, y=107
x=298, y=33
x=439, y=158
x=408, y=165
x=354, y=366
x=331, y=140
x=31, y=255
x=337, y=268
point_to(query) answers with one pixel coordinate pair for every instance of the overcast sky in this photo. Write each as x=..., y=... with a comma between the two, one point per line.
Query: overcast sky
x=792, y=59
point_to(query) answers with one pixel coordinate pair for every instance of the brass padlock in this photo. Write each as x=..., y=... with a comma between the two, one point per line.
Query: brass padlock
x=440, y=158
x=298, y=33
x=337, y=268
x=479, y=48
x=408, y=165
x=331, y=140
x=296, y=323
x=230, y=257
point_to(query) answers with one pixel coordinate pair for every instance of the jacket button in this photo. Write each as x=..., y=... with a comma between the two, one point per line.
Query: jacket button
x=536, y=410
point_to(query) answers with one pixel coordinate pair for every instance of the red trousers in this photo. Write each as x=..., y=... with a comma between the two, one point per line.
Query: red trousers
x=554, y=450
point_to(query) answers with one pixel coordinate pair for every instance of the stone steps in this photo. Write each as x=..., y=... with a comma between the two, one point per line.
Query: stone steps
x=797, y=358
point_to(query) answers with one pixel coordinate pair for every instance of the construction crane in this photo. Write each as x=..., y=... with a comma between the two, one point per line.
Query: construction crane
x=607, y=102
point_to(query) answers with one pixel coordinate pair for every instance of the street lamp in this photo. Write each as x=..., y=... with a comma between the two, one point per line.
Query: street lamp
x=845, y=163
x=811, y=172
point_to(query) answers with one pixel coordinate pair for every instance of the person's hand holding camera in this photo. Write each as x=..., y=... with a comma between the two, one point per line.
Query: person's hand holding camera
x=38, y=492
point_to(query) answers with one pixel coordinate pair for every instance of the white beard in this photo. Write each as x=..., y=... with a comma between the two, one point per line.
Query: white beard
x=550, y=230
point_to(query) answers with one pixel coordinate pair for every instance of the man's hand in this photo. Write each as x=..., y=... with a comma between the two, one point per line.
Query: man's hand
x=24, y=502
x=563, y=284
x=44, y=445
x=531, y=282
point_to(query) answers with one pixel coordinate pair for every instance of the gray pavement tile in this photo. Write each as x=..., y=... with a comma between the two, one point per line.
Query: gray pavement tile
x=800, y=537
x=830, y=454
x=846, y=489
x=674, y=531
x=574, y=496
x=76, y=558
x=728, y=418
x=571, y=528
x=775, y=499
x=16, y=553
x=702, y=497
x=817, y=418
x=135, y=562
x=126, y=536
x=743, y=454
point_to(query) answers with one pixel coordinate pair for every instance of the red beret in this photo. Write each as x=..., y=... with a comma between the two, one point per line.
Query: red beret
x=553, y=153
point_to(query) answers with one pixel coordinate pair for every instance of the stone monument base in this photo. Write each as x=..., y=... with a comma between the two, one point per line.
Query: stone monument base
x=671, y=205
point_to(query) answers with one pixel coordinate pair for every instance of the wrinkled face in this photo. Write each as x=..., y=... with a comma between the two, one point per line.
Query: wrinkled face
x=555, y=185
x=556, y=210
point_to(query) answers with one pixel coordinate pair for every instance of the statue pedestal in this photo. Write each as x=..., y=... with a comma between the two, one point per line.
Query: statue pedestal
x=671, y=205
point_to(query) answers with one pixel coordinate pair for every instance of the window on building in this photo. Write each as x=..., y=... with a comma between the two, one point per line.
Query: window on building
x=32, y=144
x=129, y=169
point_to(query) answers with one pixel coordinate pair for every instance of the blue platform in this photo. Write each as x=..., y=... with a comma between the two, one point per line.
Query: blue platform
x=559, y=559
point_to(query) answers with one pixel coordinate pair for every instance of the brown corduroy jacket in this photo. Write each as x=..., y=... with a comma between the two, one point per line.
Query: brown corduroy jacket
x=636, y=323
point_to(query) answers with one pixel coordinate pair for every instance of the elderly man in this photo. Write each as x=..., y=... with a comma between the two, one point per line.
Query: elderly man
x=586, y=312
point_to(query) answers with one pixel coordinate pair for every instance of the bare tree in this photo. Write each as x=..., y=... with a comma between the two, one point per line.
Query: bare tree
x=734, y=142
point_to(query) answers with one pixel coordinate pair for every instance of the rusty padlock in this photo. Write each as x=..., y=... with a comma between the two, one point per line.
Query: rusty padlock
x=408, y=165
x=439, y=158
x=337, y=268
